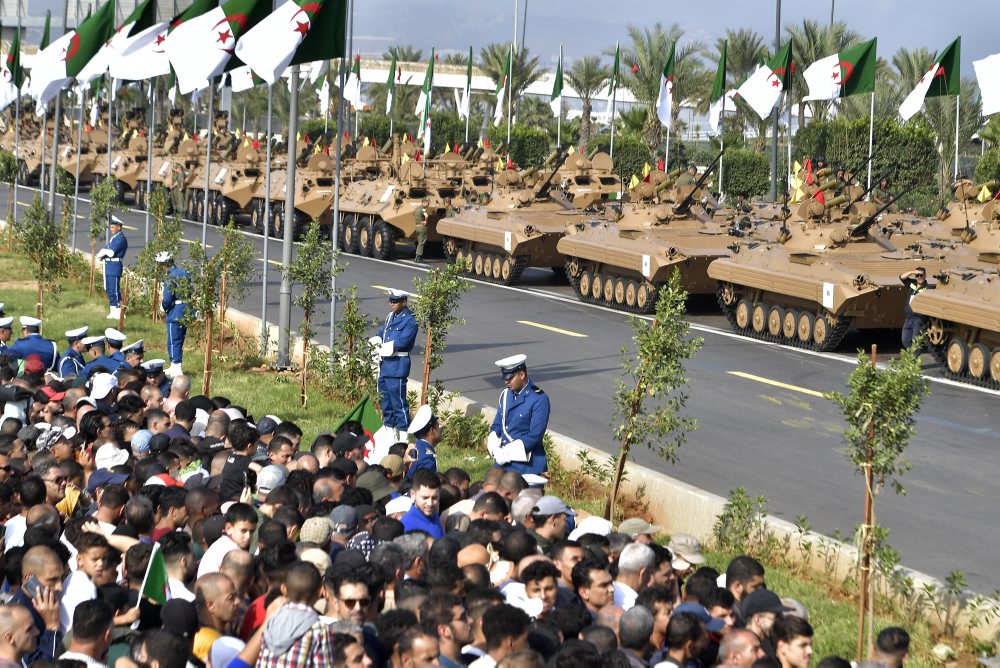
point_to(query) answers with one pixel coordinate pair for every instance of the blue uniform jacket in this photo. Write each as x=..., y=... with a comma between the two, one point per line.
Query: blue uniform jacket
x=119, y=357
x=401, y=329
x=172, y=306
x=71, y=362
x=109, y=364
x=426, y=458
x=527, y=419
x=118, y=245
x=34, y=344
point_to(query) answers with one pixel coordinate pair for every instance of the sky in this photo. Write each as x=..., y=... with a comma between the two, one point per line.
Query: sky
x=592, y=26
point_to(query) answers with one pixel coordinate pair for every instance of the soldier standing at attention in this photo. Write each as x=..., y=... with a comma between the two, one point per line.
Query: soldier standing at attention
x=420, y=220
x=398, y=335
x=176, y=282
x=915, y=282
x=32, y=343
x=71, y=363
x=112, y=255
x=520, y=422
x=6, y=333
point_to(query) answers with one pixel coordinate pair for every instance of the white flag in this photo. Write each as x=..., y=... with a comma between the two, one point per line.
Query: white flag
x=199, y=49
x=48, y=72
x=823, y=78
x=988, y=75
x=142, y=55
x=761, y=91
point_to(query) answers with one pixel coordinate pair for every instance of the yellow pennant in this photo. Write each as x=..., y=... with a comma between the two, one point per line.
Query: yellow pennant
x=366, y=142
x=499, y=166
x=633, y=182
x=298, y=136
x=797, y=195
x=406, y=159
x=796, y=167
x=571, y=151
x=645, y=170
x=984, y=195
x=317, y=148
x=246, y=141
x=186, y=136
x=480, y=144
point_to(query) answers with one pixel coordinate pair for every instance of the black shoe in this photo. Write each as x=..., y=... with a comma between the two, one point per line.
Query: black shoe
x=419, y=259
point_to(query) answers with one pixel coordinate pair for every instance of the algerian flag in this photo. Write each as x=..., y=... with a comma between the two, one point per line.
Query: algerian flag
x=425, y=90
x=324, y=94
x=243, y=78
x=557, y=88
x=143, y=17
x=11, y=73
x=269, y=47
x=143, y=55
x=763, y=88
x=57, y=65
x=465, y=100
x=352, y=87
x=717, y=101
x=943, y=78
x=502, y=87
x=988, y=75
x=200, y=48
x=390, y=86
x=665, y=100
x=154, y=582
x=849, y=72
x=613, y=84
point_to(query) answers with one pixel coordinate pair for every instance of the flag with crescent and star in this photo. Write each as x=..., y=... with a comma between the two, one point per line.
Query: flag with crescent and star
x=270, y=46
x=665, y=99
x=143, y=55
x=942, y=79
x=143, y=17
x=56, y=65
x=200, y=48
x=390, y=84
x=11, y=73
x=763, y=88
x=718, y=96
x=850, y=72
x=352, y=86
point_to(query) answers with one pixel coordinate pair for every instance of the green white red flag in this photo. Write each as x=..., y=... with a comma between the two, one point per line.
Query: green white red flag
x=503, y=87
x=390, y=85
x=942, y=79
x=352, y=85
x=426, y=90
x=11, y=73
x=665, y=100
x=763, y=88
x=849, y=72
x=465, y=100
x=557, y=88
x=141, y=18
x=615, y=79
x=717, y=101
x=269, y=47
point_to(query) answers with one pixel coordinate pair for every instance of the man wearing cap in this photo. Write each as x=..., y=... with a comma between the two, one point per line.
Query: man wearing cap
x=515, y=439
x=760, y=610
x=133, y=354
x=71, y=363
x=112, y=255
x=420, y=229
x=115, y=340
x=639, y=530
x=549, y=517
x=95, y=351
x=397, y=336
x=177, y=281
x=32, y=343
x=6, y=333
x=427, y=429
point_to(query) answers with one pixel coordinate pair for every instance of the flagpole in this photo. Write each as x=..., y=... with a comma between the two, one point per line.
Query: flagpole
x=265, y=225
x=559, y=115
x=79, y=145
x=614, y=102
x=288, y=224
x=958, y=99
x=722, y=140
x=110, y=123
x=45, y=132
x=510, y=78
x=210, y=127
x=335, y=232
x=789, y=116
x=666, y=151
x=149, y=149
x=53, y=175
x=871, y=137
x=17, y=137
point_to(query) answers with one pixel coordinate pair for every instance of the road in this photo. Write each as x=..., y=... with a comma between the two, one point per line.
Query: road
x=763, y=421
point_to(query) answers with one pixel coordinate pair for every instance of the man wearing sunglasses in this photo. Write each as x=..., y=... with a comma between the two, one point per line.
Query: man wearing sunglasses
x=915, y=282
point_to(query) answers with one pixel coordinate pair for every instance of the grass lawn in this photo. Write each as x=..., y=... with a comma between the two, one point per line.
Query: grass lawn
x=832, y=608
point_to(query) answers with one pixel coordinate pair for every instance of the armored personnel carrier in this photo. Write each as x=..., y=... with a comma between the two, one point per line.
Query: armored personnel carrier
x=518, y=227
x=26, y=145
x=314, y=189
x=128, y=166
x=589, y=180
x=817, y=280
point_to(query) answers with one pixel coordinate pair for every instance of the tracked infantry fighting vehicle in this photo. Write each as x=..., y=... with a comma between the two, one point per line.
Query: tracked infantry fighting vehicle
x=589, y=180
x=816, y=281
x=519, y=227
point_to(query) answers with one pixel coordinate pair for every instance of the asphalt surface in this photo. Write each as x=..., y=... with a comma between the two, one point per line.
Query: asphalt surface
x=763, y=423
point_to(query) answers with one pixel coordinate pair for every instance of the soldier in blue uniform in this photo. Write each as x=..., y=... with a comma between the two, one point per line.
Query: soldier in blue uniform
x=71, y=363
x=32, y=343
x=521, y=420
x=6, y=333
x=114, y=341
x=175, y=308
x=97, y=358
x=397, y=337
x=134, y=353
x=427, y=429
x=154, y=375
x=113, y=254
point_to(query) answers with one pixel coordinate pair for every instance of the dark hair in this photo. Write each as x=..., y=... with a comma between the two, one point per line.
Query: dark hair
x=833, y=661
x=504, y=621
x=89, y=540
x=426, y=478
x=271, y=532
x=684, y=627
x=601, y=637
x=438, y=610
x=322, y=442
x=289, y=430
x=456, y=476
x=184, y=411
x=171, y=497
x=576, y=654
x=391, y=624
x=444, y=577
x=539, y=570
x=518, y=545
x=32, y=491
x=720, y=596
x=137, y=562
x=893, y=641
x=241, y=435
x=340, y=642
x=276, y=558
x=742, y=569
x=302, y=581
x=289, y=516
x=787, y=627
x=699, y=587
x=241, y=512
x=650, y=596
x=114, y=496
x=559, y=546
x=139, y=513
x=278, y=442
x=387, y=529
x=166, y=648
x=581, y=572
x=92, y=619
x=174, y=545
x=492, y=503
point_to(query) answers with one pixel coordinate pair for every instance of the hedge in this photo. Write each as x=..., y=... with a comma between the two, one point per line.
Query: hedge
x=988, y=168
x=529, y=146
x=631, y=153
x=745, y=172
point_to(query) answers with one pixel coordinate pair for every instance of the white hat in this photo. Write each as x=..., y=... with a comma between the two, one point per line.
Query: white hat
x=137, y=347
x=397, y=295
x=114, y=336
x=79, y=333
x=593, y=524
x=102, y=384
x=421, y=419
x=400, y=504
x=153, y=366
x=28, y=321
x=93, y=340
x=163, y=256
x=115, y=220
x=509, y=365
x=109, y=455
x=5, y=323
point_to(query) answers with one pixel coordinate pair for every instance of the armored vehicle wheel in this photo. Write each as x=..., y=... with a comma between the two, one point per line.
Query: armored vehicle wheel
x=957, y=356
x=226, y=210
x=979, y=361
x=631, y=290
x=274, y=222
x=744, y=313
x=497, y=266
x=936, y=332
x=463, y=259
x=775, y=320
x=820, y=332
x=199, y=205
x=758, y=317
x=450, y=247
x=189, y=204
x=789, y=323
x=365, y=234
x=487, y=266
x=586, y=280
x=350, y=234
x=728, y=294
x=477, y=264
x=383, y=241
x=597, y=287
x=995, y=365
x=804, y=326
x=619, y=292
x=608, y=288
x=506, y=267
x=213, y=208
x=120, y=189
x=257, y=216
x=22, y=172
x=645, y=297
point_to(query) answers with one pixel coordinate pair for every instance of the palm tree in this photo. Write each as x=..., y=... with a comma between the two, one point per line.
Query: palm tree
x=647, y=54
x=405, y=97
x=536, y=112
x=587, y=76
x=746, y=49
x=493, y=60
x=813, y=41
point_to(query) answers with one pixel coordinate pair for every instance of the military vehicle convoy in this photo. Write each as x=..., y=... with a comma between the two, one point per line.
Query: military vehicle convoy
x=128, y=166
x=315, y=176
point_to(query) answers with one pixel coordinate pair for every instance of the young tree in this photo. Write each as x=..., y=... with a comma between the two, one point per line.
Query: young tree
x=202, y=296
x=42, y=242
x=354, y=365
x=654, y=372
x=237, y=264
x=436, y=302
x=103, y=203
x=879, y=410
x=313, y=270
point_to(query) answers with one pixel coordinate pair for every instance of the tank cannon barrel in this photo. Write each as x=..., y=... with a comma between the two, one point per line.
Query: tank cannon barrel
x=826, y=171
x=862, y=229
x=675, y=172
x=836, y=201
x=686, y=202
x=991, y=184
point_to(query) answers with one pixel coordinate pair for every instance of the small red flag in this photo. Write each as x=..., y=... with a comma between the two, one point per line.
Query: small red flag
x=326, y=149
x=582, y=152
x=417, y=156
x=142, y=133
x=486, y=142
x=347, y=135
x=635, y=68
x=308, y=141
x=510, y=163
x=659, y=164
x=255, y=145
x=456, y=147
x=645, y=179
x=195, y=138
x=819, y=197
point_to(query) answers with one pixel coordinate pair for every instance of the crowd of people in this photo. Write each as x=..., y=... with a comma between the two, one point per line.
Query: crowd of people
x=147, y=527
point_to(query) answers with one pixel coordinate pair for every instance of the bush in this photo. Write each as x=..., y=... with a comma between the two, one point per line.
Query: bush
x=745, y=172
x=529, y=146
x=988, y=168
x=631, y=153
x=8, y=167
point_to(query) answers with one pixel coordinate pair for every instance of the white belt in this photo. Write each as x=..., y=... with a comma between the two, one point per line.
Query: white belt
x=387, y=357
x=176, y=303
x=112, y=259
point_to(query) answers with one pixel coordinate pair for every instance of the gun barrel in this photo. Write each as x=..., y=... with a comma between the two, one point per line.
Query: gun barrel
x=826, y=171
x=550, y=158
x=832, y=183
x=675, y=172
x=528, y=173
x=986, y=184
x=836, y=201
x=593, y=153
x=386, y=146
x=664, y=184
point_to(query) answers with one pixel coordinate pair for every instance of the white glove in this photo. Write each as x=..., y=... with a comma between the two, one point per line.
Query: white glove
x=104, y=252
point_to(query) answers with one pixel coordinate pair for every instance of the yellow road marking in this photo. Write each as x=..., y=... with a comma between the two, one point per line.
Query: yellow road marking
x=129, y=227
x=775, y=383
x=189, y=241
x=550, y=328
x=382, y=287
x=260, y=259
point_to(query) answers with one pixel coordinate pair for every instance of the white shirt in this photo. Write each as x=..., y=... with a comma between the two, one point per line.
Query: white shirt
x=14, y=529
x=485, y=661
x=77, y=588
x=107, y=528
x=178, y=590
x=91, y=662
x=212, y=561
x=625, y=596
